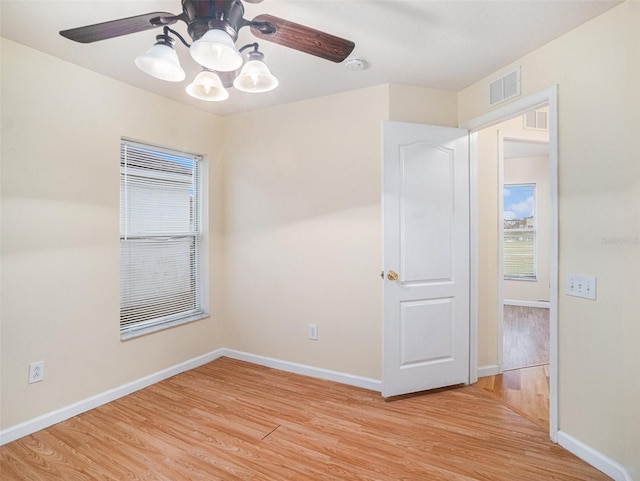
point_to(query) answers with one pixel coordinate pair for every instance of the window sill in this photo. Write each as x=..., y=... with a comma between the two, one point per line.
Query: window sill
x=143, y=331
x=528, y=279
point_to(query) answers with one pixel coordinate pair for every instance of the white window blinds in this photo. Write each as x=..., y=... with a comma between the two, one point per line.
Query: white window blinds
x=160, y=238
x=519, y=246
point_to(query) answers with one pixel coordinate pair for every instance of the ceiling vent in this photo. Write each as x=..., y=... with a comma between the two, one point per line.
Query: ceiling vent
x=505, y=87
x=536, y=120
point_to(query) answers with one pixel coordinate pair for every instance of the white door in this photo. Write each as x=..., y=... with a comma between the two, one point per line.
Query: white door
x=426, y=257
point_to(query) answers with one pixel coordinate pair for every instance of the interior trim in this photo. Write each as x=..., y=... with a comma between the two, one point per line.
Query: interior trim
x=584, y=452
x=538, y=304
x=595, y=458
x=41, y=422
x=549, y=97
x=306, y=370
x=488, y=370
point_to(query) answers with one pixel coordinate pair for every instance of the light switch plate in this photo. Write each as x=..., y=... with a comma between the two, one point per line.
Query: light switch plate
x=581, y=286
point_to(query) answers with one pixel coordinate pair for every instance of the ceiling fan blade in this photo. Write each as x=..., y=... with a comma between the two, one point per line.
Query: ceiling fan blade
x=122, y=26
x=304, y=39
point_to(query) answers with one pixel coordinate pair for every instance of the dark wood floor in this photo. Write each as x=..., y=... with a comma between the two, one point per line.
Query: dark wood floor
x=524, y=384
x=230, y=420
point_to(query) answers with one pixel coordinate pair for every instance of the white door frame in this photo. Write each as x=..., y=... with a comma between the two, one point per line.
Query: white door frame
x=548, y=97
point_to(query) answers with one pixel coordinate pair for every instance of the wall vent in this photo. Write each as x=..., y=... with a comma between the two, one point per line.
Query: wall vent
x=505, y=87
x=536, y=120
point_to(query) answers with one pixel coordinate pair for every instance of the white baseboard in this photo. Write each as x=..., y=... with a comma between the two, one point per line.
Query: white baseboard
x=584, y=452
x=489, y=370
x=49, y=419
x=515, y=302
x=595, y=458
x=305, y=370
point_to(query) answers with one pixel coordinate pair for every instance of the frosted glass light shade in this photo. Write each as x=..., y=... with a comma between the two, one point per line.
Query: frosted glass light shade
x=207, y=86
x=216, y=50
x=161, y=61
x=255, y=77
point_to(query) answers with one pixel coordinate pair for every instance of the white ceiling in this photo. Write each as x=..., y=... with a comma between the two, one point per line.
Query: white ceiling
x=439, y=44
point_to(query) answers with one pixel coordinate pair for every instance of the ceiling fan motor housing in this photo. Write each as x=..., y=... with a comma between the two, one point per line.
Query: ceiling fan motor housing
x=203, y=15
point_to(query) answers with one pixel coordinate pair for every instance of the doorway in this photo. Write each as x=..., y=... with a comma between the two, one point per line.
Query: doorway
x=483, y=339
x=486, y=346
x=523, y=265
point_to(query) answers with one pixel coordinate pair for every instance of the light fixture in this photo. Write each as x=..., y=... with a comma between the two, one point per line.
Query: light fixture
x=213, y=27
x=216, y=50
x=161, y=60
x=207, y=86
x=255, y=76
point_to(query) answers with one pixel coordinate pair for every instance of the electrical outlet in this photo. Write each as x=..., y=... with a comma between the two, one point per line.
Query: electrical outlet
x=36, y=371
x=581, y=286
x=313, y=332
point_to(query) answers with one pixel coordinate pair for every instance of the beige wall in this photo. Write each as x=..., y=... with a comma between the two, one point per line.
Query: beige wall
x=630, y=248
x=303, y=232
x=423, y=106
x=303, y=225
x=596, y=69
x=488, y=279
x=301, y=206
x=61, y=130
x=296, y=210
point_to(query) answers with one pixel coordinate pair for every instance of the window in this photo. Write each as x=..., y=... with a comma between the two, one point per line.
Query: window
x=519, y=247
x=160, y=239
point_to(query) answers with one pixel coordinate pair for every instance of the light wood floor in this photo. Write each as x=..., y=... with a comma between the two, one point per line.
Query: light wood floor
x=230, y=420
x=524, y=384
x=525, y=390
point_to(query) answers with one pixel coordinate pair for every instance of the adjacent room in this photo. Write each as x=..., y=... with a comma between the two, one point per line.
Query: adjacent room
x=339, y=253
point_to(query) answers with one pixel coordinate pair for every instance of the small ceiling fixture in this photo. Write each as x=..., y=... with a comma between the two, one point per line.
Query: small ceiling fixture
x=213, y=26
x=356, y=64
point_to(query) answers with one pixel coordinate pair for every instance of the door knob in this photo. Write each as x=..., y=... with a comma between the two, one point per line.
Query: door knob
x=392, y=275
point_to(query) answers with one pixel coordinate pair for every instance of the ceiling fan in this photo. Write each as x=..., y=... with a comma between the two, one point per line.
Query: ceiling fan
x=213, y=26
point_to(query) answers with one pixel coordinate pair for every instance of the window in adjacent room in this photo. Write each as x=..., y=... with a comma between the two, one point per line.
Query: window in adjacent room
x=160, y=238
x=519, y=244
